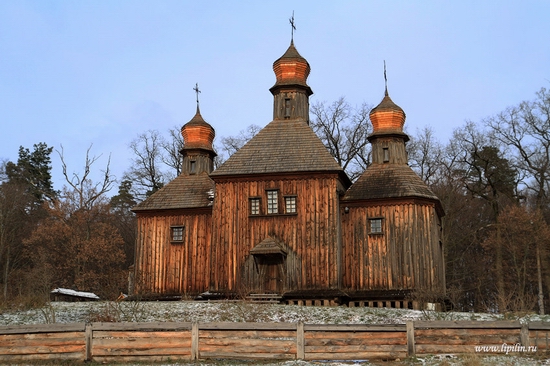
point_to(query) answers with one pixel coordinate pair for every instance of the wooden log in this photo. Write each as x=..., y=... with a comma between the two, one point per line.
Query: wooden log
x=243, y=334
x=89, y=342
x=195, y=342
x=467, y=324
x=42, y=328
x=464, y=332
x=246, y=326
x=147, y=359
x=539, y=325
x=355, y=335
x=152, y=351
x=141, y=334
x=467, y=340
x=141, y=326
x=122, y=343
x=46, y=342
x=28, y=350
x=356, y=349
x=356, y=341
x=244, y=356
x=356, y=356
x=355, y=328
x=9, y=359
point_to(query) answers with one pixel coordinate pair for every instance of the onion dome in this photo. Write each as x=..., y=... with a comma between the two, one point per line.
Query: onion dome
x=197, y=133
x=291, y=69
x=387, y=117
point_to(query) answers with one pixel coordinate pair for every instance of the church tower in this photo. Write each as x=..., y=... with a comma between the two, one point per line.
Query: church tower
x=291, y=92
x=197, y=152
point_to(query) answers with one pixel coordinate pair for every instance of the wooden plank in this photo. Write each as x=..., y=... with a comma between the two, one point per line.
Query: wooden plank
x=42, y=336
x=147, y=359
x=356, y=356
x=248, y=356
x=465, y=332
x=141, y=334
x=354, y=327
x=47, y=342
x=28, y=350
x=439, y=349
x=121, y=343
x=247, y=334
x=300, y=341
x=467, y=324
x=142, y=326
x=9, y=359
x=357, y=335
x=42, y=328
x=247, y=326
x=151, y=351
x=356, y=341
x=356, y=349
x=539, y=325
x=257, y=343
x=467, y=340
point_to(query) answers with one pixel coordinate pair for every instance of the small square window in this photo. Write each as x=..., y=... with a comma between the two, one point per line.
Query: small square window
x=176, y=233
x=272, y=202
x=254, y=206
x=193, y=167
x=290, y=204
x=375, y=226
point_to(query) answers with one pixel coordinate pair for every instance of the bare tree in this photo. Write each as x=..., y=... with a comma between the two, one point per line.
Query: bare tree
x=84, y=192
x=344, y=130
x=426, y=155
x=146, y=172
x=172, y=156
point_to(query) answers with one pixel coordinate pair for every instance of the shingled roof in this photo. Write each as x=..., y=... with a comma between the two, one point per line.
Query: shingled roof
x=186, y=191
x=283, y=146
x=389, y=181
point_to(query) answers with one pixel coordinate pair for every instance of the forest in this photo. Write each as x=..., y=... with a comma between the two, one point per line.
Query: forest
x=492, y=177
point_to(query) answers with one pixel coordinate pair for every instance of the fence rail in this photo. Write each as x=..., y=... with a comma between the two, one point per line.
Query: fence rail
x=158, y=341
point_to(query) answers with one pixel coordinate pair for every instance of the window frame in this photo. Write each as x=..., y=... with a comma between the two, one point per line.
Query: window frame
x=180, y=238
x=251, y=202
x=293, y=204
x=380, y=226
x=272, y=204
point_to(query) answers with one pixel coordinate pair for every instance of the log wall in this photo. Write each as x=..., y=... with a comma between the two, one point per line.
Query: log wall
x=173, y=268
x=311, y=234
x=151, y=342
x=406, y=255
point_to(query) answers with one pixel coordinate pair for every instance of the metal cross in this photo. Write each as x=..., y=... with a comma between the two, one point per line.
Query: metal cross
x=291, y=20
x=385, y=78
x=197, y=91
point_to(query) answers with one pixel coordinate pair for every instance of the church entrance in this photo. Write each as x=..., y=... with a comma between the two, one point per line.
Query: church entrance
x=269, y=267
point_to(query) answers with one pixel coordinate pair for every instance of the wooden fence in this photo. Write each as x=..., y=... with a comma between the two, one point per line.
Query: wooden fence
x=133, y=342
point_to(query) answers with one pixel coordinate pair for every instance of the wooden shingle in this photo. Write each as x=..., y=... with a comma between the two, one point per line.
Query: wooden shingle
x=185, y=191
x=283, y=146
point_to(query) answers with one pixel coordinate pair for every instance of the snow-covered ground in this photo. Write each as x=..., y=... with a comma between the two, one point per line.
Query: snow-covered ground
x=191, y=311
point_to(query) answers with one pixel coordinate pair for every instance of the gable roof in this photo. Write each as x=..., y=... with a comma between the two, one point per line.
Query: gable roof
x=185, y=191
x=389, y=181
x=283, y=146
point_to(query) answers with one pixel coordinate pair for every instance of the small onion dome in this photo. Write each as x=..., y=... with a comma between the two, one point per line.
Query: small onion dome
x=197, y=133
x=291, y=68
x=387, y=117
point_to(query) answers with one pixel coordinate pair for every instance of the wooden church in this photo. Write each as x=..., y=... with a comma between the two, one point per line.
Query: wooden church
x=280, y=219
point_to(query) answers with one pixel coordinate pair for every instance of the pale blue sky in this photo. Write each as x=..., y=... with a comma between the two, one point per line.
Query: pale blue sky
x=101, y=72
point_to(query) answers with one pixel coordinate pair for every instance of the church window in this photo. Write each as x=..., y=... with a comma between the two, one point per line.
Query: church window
x=255, y=206
x=272, y=200
x=375, y=226
x=176, y=234
x=290, y=204
x=192, y=167
x=287, y=107
x=386, y=152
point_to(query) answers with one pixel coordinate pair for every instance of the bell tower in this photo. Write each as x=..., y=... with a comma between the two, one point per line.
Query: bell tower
x=198, y=152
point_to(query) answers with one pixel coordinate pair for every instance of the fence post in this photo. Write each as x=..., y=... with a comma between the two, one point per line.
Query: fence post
x=195, y=341
x=410, y=339
x=88, y=334
x=524, y=335
x=300, y=341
